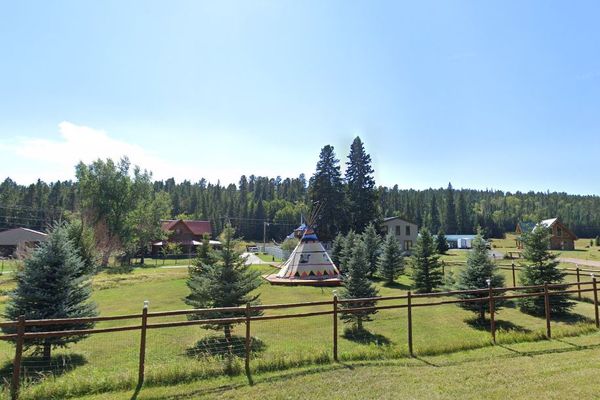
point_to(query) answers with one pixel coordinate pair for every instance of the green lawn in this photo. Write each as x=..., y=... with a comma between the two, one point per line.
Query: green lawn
x=108, y=362
x=582, y=251
x=550, y=369
x=269, y=258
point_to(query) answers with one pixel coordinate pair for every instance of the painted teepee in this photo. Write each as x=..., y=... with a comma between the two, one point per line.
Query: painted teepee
x=309, y=263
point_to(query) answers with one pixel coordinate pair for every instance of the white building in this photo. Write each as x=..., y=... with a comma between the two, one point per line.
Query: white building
x=405, y=232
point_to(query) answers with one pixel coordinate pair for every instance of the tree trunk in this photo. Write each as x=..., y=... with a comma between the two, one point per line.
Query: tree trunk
x=227, y=330
x=142, y=254
x=481, y=312
x=47, y=351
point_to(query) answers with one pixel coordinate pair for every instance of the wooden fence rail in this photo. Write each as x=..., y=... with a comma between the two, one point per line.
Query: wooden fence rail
x=247, y=315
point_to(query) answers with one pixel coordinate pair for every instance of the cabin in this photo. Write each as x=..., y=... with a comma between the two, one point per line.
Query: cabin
x=562, y=237
x=12, y=239
x=405, y=232
x=185, y=232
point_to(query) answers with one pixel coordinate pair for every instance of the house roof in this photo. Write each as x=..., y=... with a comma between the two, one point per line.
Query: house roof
x=387, y=219
x=526, y=226
x=195, y=226
x=13, y=237
x=548, y=222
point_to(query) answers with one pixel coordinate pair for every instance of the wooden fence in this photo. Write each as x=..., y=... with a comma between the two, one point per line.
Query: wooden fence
x=247, y=316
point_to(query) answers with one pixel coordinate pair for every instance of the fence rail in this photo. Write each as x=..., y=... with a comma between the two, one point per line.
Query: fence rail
x=248, y=315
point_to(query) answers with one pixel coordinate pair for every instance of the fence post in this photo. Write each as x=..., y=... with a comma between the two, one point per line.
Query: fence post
x=547, y=308
x=247, y=348
x=596, y=302
x=443, y=269
x=492, y=312
x=578, y=284
x=410, y=336
x=513, y=274
x=142, y=363
x=335, y=327
x=16, y=377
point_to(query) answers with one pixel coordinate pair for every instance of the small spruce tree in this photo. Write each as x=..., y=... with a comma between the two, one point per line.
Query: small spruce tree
x=358, y=285
x=349, y=244
x=372, y=242
x=540, y=267
x=226, y=282
x=337, y=250
x=478, y=270
x=426, y=268
x=390, y=262
x=441, y=244
x=206, y=255
x=53, y=284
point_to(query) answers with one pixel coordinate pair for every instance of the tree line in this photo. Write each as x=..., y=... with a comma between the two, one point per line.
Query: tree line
x=348, y=200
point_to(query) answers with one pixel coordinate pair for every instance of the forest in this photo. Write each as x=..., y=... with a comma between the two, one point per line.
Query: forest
x=274, y=205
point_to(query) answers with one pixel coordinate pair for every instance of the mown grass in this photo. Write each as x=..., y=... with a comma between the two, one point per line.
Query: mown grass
x=582, y=251
x=110, y=360
x=549, y=369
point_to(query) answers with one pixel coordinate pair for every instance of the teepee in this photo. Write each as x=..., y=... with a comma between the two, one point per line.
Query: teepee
x=309, y=263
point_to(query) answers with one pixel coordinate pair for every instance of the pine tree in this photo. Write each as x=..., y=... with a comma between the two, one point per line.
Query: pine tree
x=52, y=285
x=372, y=242
x=433, y=218
x=327, y=189
x=426, y=268
x=475, y=275
x=391, y=262
x=337, y=250
x=541, y=267
x=450, y=224
x=358, y=285
x=462, y=218
x=441, y=244
x=206, y=255
x=362, y=198
x=227, y=282
x=597, y=241
x=350, y=242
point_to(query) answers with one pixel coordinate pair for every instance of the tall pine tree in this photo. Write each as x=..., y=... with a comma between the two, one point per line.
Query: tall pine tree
x=441, y=243
x=53, y=285
x=450, y=224
x=541, y=267
x=463, y=221
x=327, y=189
x=433, y=217
x=426, y=268
x=362, y=199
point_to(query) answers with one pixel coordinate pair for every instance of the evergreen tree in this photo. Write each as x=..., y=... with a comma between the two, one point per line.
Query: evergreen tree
x=350, y=242
x=82, y=238
x=475, y=275
x=597, y=241
x=441, y=244
x=463, y=221
x=227, y=282
x=372, y=242
x=206, y=255
x=433, y=218
x=391, y=262
x=362, y=199
x=426, y=268
x=450, y=224
x=327, y=189
x=52, y=285
x=358, y=285
x=541, y=267
x=337, y=250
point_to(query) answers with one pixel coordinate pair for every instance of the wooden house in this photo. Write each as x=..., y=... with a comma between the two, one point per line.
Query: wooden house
x=186, y=233
x=562, y=237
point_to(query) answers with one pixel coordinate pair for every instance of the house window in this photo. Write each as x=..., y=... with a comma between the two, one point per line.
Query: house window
x=407, y=230
x=407, y=244
x=398, y=230
x=386, y=229
x=558, y=232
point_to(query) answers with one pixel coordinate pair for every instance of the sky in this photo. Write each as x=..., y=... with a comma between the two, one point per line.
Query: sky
x=486, y=95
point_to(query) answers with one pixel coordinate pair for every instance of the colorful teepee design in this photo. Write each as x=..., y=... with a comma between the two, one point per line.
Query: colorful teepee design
x=309, y=263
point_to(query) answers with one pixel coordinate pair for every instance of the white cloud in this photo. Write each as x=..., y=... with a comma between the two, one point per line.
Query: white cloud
x=52, y=159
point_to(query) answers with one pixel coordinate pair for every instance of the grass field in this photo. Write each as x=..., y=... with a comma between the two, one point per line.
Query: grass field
x=550, y=369
x=268, y=258
x=582, y=251
x=108, y=362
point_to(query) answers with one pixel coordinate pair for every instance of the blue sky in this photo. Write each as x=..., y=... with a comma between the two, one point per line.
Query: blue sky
x=501, y=95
